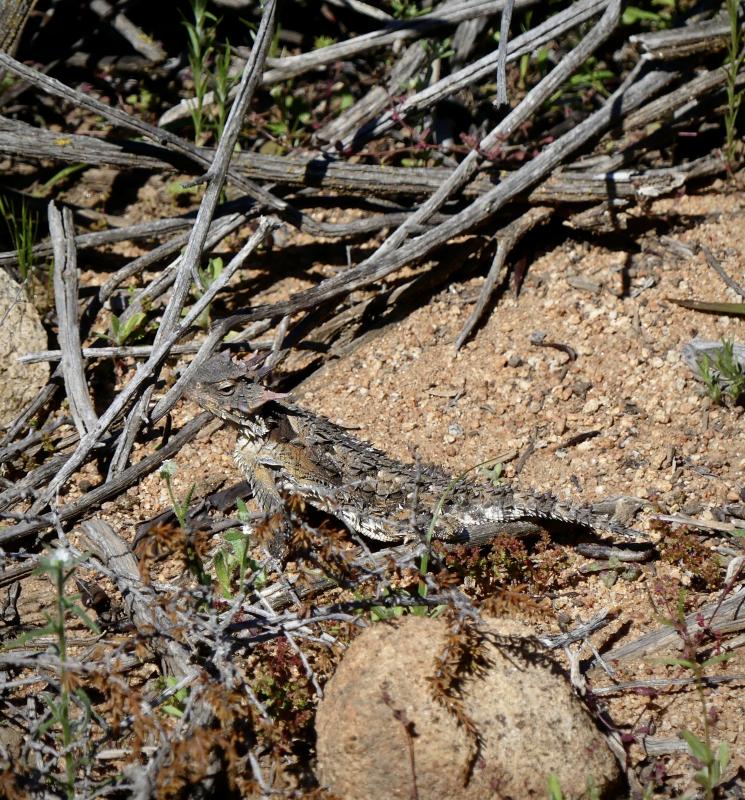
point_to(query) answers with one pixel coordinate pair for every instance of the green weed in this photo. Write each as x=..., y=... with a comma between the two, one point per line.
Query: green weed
x=207, y=277
x=181, y=510
x=201, y=33
x=62, y=719
x=142, y=101
x=649, y=17
x=723, y=374
x=22, y=224
x=131, y=327
x=406, y=9
x=210, y=69
x=223, y=82
x=553, y=786
x=493, y=473
x=732, y=66
x=59, y=177
x=176, y=703
x=177, y=189
x=232, y=562
x=713, y=763
x=323, y=41
x=291, y=114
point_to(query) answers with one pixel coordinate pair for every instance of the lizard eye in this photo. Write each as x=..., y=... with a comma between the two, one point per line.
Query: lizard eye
x=225, y=389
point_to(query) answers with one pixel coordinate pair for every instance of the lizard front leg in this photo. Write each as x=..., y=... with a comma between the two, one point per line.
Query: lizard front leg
x=266, y=496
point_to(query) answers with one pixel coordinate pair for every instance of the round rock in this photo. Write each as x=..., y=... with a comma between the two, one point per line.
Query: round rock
x=382, y=734
x=21, y=332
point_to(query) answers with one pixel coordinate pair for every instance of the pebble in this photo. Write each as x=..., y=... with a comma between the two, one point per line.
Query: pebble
x=661, y=416
x=591, y=406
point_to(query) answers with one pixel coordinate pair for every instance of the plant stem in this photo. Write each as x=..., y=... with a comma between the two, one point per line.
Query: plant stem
x=64, y=702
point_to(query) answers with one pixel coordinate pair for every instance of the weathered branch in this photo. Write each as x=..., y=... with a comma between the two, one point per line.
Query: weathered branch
x=66, y=299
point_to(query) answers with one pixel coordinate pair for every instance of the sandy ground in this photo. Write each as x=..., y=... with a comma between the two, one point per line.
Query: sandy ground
x=655, y=434
x=658, y=436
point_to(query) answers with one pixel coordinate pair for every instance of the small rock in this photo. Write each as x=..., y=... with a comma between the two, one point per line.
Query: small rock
x=580, y=387
x=661, y=416
x=381, y=732
x=21, y=332
x=584, y=283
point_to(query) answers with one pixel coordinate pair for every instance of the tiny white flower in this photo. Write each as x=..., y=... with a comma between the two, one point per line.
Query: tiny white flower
x=60, y=557
x=167, y=468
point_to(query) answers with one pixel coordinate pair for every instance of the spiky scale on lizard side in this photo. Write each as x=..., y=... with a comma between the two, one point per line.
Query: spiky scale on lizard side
x=285, y=449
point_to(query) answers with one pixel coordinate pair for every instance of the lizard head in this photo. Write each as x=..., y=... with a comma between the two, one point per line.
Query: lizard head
x=229, y=390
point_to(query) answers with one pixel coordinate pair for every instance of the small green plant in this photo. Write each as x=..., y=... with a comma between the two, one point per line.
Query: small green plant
x=223, y=82
x=541, y=58
x=181, y=510
x=733, y=65
x=323, y=41
x=233, y=562
x=553, y=785
x=22, y=226
x=711, y=380
x=723, y=374
x=207, y=277
x=406, y=9
x=590, y=76
x=62, y=720
x=712, y=763
x=440, y=49
x=58, y=178
x=386, y=613
x=201, y=33
x=131, y=327
x=142, y=101
x=210, y=69
x=177, y=189
x=174, y=706
x=524, y=63
x=653, y=20
x=292, y=112
x=492, y=473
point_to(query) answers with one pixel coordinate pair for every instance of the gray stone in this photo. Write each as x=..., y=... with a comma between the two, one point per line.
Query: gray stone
x=21, y=332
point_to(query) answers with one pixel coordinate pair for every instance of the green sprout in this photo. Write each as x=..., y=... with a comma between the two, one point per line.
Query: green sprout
x=22, y=227
x=232, y=562
x=121, y=331
x=201, y=33
x=732, y=67
x=60, y=566
x=723, y=374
